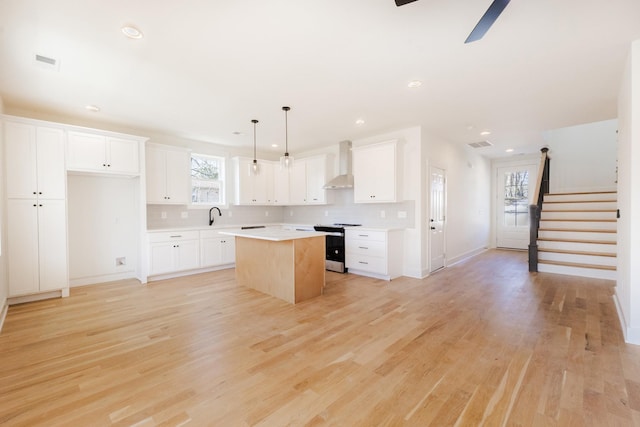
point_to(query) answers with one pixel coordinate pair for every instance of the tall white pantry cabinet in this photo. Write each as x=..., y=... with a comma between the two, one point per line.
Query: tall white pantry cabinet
x=36, y=209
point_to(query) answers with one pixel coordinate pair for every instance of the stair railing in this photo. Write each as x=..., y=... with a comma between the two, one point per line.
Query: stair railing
x=542, y=187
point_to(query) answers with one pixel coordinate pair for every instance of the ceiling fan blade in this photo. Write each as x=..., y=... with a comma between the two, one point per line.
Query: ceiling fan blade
x=487, y=20
x=403, y=2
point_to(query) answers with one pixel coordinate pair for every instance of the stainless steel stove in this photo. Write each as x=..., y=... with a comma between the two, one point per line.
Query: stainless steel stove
x=335, y=245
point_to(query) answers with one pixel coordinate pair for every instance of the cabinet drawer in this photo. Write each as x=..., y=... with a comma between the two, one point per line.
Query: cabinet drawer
x=380, y=236
x=366, y=263
x=366, y=247
x=168, y=236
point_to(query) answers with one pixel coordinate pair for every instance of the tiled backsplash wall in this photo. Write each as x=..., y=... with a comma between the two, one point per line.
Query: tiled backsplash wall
x=342, y=210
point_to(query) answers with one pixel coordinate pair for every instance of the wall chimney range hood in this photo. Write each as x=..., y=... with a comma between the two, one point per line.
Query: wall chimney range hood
x=345, y=179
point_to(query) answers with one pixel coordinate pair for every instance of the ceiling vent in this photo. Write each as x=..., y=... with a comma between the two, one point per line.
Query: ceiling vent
x=480, y=144
x=47, y=62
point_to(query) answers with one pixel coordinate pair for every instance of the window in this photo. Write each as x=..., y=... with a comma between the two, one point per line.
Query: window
x=516, y=198
x=207, y=180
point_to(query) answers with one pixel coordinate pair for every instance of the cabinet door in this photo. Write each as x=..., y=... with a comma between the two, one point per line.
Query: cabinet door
x=280, y=185
x=20, y=160
x=211, y=251
x=263, y=185
x=156, y=175
x=374, y=170
x=86, y=152
x=123, y=156
x=316, y=175
x=22, y=246
x=298, y=183
x=188, y=254
x=161, y=258
x=50, y=158
x=52, y=245
x=244, y=182
x=228, y=250
x=178, y=178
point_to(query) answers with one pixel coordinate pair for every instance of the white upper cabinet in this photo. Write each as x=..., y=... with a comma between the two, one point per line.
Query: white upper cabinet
x=35, y=161
x=167, y=174
x=306, y=178
x=252, y=189
x=280, y=185
x=375, y=173
x=94, y=152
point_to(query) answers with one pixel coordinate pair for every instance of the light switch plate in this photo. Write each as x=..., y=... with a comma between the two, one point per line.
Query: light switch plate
x=184, y=214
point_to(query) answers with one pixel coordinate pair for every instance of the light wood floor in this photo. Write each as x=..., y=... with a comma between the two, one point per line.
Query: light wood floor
x=481, y=343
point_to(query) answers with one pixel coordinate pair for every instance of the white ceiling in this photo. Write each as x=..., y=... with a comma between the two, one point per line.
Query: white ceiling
x=205, y=68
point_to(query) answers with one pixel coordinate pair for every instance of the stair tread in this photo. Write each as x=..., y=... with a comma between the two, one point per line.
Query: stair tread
x=581, y=192
x=581, y=201
x=547, y=239
x=578, y=210
x=578, y=265
x=581, y=230
x=563, y=251
x=578, y=220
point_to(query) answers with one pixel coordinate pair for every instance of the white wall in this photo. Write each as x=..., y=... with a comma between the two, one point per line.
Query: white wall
x=103, y=224
x=583, y=157
x=4, y=280
x=468, y=190
x=628, y=283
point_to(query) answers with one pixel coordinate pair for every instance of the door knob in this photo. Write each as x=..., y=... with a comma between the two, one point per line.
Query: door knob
x=433, y=228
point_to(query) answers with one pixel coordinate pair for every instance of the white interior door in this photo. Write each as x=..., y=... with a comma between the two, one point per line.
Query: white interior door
x=514, y=189
x=437, y=218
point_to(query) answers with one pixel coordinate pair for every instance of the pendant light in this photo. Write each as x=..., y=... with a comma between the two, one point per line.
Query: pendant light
x=286, y=161
x=255, y=169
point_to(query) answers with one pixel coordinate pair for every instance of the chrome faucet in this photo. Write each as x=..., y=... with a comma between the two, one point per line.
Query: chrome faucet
x=211, y=217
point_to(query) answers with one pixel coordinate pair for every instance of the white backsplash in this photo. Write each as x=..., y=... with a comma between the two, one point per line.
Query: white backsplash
x=343, y=210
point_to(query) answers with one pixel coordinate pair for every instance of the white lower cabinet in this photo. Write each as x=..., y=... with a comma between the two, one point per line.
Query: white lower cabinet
x=216, y=249
x=173, y=251
x=37, y=246
x=375, y=253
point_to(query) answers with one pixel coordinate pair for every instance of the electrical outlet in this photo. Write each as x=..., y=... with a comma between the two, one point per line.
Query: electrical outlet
x=290, y=213
x=383, y=214
x=121, y=261
x=402, y=214
x=163, y=215
x=326, y=213
x=184, y=214
x=230, y=214
x=266, y=213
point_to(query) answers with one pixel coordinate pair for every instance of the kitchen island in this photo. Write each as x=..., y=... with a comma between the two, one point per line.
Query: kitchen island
x=286, y=264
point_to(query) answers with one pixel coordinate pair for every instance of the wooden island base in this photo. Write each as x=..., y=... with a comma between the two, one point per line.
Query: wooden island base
x=292, y=270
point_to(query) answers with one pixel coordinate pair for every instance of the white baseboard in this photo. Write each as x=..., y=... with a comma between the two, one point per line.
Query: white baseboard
x=3, y=313
x=103, y=278
x=189, y=272
x=631, y=335
x=470, y=254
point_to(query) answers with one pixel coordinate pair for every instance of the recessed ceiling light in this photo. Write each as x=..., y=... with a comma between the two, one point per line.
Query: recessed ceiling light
x=414, y=83
x=485, y=132
x=360, y=122
x=131, y=32
x=92, y=108
x=237, y=133
x=509, y=150
x=274, y=145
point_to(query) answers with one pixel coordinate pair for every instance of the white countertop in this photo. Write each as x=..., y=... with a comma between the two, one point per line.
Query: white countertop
x=273, y=234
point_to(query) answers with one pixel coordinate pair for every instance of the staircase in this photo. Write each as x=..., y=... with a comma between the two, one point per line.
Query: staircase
x=577, y=234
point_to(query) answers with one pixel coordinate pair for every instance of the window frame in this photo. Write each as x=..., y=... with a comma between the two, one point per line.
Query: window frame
x=224, y=174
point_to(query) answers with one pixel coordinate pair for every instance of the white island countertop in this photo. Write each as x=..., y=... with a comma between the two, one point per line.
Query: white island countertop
x=273, y=234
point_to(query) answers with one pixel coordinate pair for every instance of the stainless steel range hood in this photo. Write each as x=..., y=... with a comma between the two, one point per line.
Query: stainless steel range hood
x=345, y=179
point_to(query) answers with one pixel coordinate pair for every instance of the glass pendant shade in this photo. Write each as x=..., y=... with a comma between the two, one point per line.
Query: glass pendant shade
x=254, y=169
x=286, y=161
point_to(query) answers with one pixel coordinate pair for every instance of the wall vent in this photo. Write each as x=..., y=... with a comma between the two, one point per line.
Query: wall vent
x=46, y=62
x=480, y=144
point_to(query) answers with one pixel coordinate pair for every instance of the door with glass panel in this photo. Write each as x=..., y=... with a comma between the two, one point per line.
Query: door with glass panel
x=514, y=188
